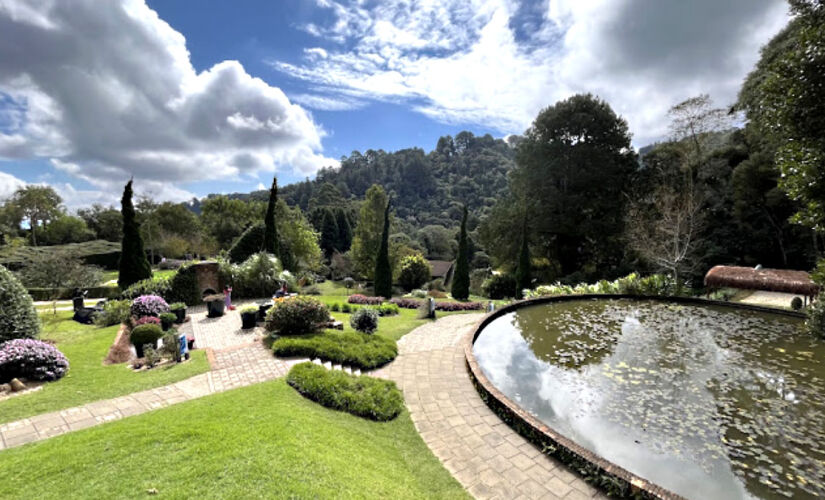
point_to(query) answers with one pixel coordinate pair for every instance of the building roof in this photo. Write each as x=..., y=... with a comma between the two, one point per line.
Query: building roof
x=774, y=280
x=440, y=268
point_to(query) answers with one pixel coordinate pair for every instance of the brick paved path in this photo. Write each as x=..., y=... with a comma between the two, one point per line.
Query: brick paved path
x=238, y=359
x=480, y=451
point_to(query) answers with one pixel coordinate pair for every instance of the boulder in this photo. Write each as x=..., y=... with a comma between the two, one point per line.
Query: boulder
x=17, y=385
x=5, y=388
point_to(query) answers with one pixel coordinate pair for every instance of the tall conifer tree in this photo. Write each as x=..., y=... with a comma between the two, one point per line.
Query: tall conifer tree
x=461, y=278
x=133, y=263
x=383, y=270
x=523, y=277
x=270, y=229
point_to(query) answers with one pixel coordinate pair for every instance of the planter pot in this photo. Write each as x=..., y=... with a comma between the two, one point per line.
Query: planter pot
x=262, y=309
x=166, y=325
x=181, y=314
x=215, y=308
x=249, y=320
x=139, y=351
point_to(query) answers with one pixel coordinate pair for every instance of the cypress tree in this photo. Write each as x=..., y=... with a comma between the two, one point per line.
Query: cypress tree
x=344, y=230
x=133, y=264
x=329, y=232
x=461, y=278
x=523, y=270
x=270, y=229
x=383, y=271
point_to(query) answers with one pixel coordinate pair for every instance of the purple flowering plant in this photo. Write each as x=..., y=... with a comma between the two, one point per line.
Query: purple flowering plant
x=149, y=305
x=31, y=359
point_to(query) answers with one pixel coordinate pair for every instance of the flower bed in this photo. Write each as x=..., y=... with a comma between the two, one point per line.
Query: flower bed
x=363, y=300
x=440, y=306
x=31, y=359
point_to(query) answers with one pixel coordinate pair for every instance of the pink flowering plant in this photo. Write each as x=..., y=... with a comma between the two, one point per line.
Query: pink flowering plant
x=147, y=320
x=31, y=359
x=149, y=305
x=357, y=298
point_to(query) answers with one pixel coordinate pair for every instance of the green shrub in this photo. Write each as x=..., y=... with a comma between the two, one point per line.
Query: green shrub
x=347, y=348
x=167, y=320
x=311, y=290
x=153, y=286
x=258, y=276
x=414, y=272
x=815, y=324
x=388, y=310
x=796, y=304
x=364, y=321
x=363, y=396
x=436, y=284
x=146, y=334
x=177, y=306
x=346, y=308
x=114, y=312
x=500, y=286
x=247, y=244
x=296, y=316
x=183, y=286
x=247, y=309
x=18, y=317
x=335, y=307
x=171, y=345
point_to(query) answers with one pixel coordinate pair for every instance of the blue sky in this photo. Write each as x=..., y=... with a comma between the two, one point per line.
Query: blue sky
x=216, y=96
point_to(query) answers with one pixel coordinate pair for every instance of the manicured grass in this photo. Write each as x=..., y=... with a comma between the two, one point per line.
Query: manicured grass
x=261, y=441
x=363, y=396
x=350, y=348
x=88, y=380
x=109, y=276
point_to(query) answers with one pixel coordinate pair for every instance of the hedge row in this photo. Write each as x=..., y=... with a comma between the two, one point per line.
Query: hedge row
x=347, y=348
x=363, y=396
x=439, y=306
x=102, y=292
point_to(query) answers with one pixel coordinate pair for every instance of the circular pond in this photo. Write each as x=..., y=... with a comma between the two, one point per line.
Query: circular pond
x=706, y=401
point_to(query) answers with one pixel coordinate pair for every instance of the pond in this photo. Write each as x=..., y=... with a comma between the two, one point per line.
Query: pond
x=706, y=401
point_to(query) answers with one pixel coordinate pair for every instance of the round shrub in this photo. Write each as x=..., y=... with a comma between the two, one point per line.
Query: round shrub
x=146, y=334
x=796, y=303
x=18, y=317
x=31, y=359
x=364, y=320
x=258, y=276
x=149, y=305
x=500, y=286
x=296, y=316
x=414, y=272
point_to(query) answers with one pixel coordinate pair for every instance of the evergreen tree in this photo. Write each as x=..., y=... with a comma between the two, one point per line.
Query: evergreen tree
x=461, y=278
x=383, y=270
x=271, y=230
x=523, y=269
x=344, y=230
x=367, y=236
x=133, y=264
x=329, y=232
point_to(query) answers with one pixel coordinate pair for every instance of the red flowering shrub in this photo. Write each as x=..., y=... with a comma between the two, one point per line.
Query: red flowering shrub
x=363, y=300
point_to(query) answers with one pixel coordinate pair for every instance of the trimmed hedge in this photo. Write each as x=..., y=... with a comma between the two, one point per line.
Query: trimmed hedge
x=18, y=317
x=363, y=300
x=439, y=306
x=181, y=287
x=348, y=348
x=363, y=396
x=96, y=292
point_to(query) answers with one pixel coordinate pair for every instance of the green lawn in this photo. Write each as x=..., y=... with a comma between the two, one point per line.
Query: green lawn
x=109, y=276
x=261, y=441
x=88, y=380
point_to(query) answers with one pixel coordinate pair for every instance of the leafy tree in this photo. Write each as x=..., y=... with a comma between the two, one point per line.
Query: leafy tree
x=225, y=218
x=414, y=272
x=38, y=205
x=59, y=270
x=383, y=269
x=133, y=264
x=523, y=278
x=66, y=229
x=105, y=222
x=271, y=229
x=367, y=239
x=461, y=277
x=440, y=242
x=786, y=99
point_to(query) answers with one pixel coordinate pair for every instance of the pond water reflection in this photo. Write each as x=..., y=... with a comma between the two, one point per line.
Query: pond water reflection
x=706, y=401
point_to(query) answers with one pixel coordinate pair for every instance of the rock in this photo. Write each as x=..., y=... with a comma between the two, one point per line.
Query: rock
x=5, y=388
x=17, y=385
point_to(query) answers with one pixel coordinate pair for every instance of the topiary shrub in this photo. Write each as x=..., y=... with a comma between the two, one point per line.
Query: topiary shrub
x=151, y=286
x=148, y=333
x=414, y=272
x=500, y=286
x=796, y=303
x=363, y=396
x=247, y=244
x=364, y=320
x=31, y=359
x=183, y=286
x=18, y=317
x=114, y=312
x=149, y=305
x=296, y=316
x=345, y=347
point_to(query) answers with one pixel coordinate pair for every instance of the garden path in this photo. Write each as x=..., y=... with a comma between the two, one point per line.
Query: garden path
x=237, y=359
x=484, y=454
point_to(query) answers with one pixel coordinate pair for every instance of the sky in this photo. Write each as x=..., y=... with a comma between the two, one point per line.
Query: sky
x=192, y=98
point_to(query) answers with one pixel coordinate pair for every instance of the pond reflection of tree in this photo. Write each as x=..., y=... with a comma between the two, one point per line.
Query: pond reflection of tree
x=718, y=387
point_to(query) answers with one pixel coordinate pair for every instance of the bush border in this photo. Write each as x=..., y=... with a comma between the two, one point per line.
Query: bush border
x=594, y=469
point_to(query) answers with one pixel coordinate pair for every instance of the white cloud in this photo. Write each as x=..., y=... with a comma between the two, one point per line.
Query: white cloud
x=107, y=91
x=327, y=103
x=499, y=62
x=9, y=184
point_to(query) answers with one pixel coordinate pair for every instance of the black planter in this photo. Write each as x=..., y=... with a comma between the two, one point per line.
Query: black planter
x=262, y=309
x=249, y=320
x=215, y=308
x=181, y=314
x=77, y=303
x=165, y=324
x=139, y=350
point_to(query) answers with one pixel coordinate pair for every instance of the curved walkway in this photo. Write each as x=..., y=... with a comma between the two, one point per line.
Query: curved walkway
x=485, y=455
